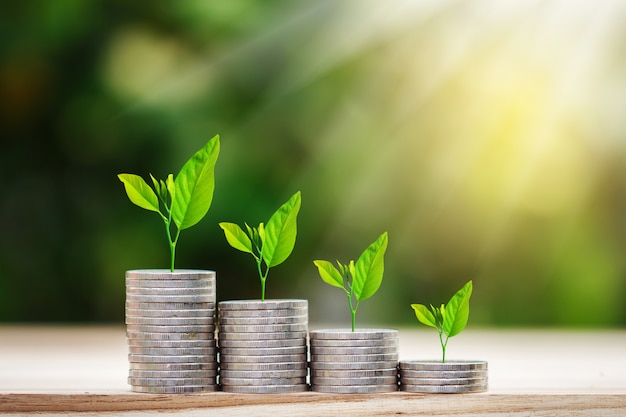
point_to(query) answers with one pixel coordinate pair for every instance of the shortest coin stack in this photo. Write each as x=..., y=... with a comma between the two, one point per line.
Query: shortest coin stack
x=455, y=377
x=262, y=346
x=346, y=362
x=170, y=327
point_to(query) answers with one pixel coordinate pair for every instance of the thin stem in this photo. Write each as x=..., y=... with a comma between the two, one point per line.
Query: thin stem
x=259, y=261
x=443, y=346
x=173, y=249
x=171, y=242
x=352, y=310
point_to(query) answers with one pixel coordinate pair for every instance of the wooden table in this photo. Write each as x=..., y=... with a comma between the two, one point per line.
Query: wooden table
x=52, y=369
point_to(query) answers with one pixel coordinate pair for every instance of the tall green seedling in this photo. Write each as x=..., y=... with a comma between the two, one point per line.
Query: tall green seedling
x=449, y=319
x=270, y=244
x=359, y=280
x=182, y=201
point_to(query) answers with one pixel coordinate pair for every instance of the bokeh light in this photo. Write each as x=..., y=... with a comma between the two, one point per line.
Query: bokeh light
x=487, y=137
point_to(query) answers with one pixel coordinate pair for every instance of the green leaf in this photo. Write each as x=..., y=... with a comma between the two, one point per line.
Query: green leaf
x=259, y=234
x=157, y=187
x=236, y=237
x=194, y=186
x=456, y=312
x=329, y=273
x=279, y=235
x=139, y=192
x=424, y=315
x=369, y=269
x=171, y=187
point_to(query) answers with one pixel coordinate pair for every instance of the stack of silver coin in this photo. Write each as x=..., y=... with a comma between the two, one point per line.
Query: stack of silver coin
x=346, y=362
x=263, y=346
x=170, y=328
x=450, y=377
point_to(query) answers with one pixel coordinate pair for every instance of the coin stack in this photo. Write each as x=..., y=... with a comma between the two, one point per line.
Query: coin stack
x=170, y=327
x=346, y=362
x=450, y=377
x=262, y=346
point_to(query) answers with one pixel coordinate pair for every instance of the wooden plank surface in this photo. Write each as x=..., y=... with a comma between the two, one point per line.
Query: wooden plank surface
x=81, y=369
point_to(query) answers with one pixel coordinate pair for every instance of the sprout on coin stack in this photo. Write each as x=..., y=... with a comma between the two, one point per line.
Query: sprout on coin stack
x=353, y=361
x=170, y=314
x=263, y=342
x=441, y=376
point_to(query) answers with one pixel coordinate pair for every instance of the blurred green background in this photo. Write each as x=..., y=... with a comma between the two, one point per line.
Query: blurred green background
x=487, y=137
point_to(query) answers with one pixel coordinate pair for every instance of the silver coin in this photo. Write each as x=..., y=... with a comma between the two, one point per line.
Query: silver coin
x=249, y=366
x=293, y=350
x=179, y=283
x=166, y=305
x=439, y=366
x=478, y=373
x=252, y=344
x=261, y=381
x=209, y=343
x=355, y=358
x=443, y=381
x=199, y=351
x=262, y=305
x=136, y=298
x=173, y=390
x=333, y=366
x=163, y=274
x=343, y=373
x=171, y=321
x=283, y=312
x=164, y=382
x=131, y=334
x=170, y=313
x=356, y=389
x=343, y=334
x=262, y=358
x=443, y=389
x=357, y=381
x=261, y=336
x=346, y=350
x=265, y=389
x=171, y=359
x=167, y=292
x=288, y=373
x=170, y=329
x=387, y=341
x=176, y=367
x=262, y=321
x=269, y=328
x=136, y=373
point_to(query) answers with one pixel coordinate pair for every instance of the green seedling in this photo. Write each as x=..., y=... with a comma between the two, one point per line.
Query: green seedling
x=181, y=202
x=449, y=319
x=359, y=280
x=270, y=244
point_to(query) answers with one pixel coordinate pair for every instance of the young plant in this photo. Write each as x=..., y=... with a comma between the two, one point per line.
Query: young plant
x=449, y=319
x=358, y=280
x=270, y=244
x=181, y=202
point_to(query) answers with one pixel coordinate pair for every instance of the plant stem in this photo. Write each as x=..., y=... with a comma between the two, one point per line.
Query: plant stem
x=353, y=309
x=443, y=346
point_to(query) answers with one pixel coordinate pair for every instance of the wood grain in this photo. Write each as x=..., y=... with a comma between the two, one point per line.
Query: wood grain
x=318, y=405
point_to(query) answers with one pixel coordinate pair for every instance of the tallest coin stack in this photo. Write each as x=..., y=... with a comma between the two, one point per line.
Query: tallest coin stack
x=170, y=328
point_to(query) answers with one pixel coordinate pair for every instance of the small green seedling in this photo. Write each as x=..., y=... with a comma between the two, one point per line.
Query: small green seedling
x=181, y=202
x=450, y=319
x=358, y=280
x=269, y=244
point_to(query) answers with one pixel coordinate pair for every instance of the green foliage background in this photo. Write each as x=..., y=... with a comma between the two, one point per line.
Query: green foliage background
x=488, y=138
